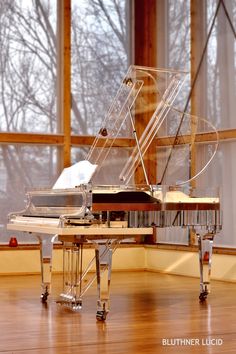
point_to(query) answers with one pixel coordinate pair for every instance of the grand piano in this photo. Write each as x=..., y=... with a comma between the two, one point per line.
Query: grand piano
x=79, y=210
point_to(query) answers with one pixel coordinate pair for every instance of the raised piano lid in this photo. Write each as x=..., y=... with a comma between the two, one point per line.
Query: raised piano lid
x=156, y=95
x=143, y=90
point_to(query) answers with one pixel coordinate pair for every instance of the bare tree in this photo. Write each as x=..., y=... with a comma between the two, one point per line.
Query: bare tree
x=99, y=57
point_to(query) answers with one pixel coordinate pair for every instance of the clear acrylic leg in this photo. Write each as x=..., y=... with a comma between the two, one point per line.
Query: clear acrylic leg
x=46, y=248
x=205, y=243
x=103, y=255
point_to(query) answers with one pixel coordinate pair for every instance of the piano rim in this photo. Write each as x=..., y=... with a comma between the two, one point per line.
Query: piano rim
x=169, y=206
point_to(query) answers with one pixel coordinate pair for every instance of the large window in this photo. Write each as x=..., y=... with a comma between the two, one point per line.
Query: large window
x=215, y=88
x=22, y=167
x=28, y=66
x=213, y=66
x=29, y=88
x=27, y=100
x=100, y=48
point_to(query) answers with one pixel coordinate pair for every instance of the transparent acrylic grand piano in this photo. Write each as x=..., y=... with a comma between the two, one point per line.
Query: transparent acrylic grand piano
x=88, y=206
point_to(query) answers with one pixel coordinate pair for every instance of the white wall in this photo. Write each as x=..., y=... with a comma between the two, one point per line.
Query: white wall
x=126, y=258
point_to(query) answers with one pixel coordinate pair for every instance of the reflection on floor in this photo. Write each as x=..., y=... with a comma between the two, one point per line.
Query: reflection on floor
x=150, y=313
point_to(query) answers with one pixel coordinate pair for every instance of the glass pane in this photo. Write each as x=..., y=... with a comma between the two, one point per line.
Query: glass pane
x=28, y=66
x=100, y=41
x=220, y=79
x=222, y=172
x=214, y=90
x=178, y=42
x=216, y=82
x=22, y=168
x=79, y=153
x=215, y=87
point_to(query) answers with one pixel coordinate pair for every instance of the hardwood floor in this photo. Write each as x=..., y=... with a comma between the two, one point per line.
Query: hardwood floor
x=150, y=313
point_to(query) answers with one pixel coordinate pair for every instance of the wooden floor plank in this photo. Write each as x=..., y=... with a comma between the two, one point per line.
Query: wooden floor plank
x=147, y=310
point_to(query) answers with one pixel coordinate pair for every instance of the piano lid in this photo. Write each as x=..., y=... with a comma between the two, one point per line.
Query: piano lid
x=154, y=95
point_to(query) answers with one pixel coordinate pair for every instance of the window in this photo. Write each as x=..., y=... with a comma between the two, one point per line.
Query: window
x=100, y=55
x=29, y=88
x=28, y=66
x=213, y=66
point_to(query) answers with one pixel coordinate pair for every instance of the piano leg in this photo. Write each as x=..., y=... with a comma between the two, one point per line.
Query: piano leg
x=205, y=243
x=103, y=255
x=46, y=248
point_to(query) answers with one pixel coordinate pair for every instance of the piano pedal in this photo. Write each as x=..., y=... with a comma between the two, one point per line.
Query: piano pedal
x=74, y=305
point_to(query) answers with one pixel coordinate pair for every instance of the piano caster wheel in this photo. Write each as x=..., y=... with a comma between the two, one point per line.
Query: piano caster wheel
x=44, y=296
x=101, y=315
x=203, y=296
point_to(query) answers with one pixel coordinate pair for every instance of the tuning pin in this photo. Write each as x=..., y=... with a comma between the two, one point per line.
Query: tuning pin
x=13, y=242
